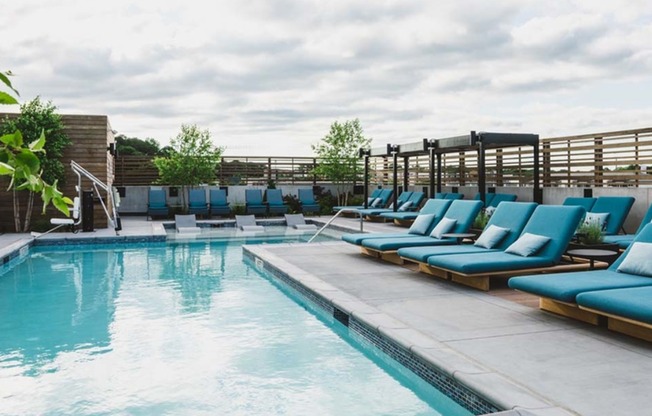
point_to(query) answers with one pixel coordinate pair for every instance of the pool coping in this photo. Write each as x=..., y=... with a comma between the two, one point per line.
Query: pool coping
x=507, y=397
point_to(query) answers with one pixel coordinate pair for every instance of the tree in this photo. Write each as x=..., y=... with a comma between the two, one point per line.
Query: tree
x=191, y=159
x=338, y=154
x=20, y=162
x=137, y=147
x=38, y=118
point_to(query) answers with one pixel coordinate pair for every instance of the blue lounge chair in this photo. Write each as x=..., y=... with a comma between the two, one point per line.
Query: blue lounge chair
x=275, y=204
x=197, y=204
x=557, y=224
x=586, y=203
x=254, y=202
x=617, y=207
x=440, y=195
x=561, y=293
x=382, y=201
x=454, y=195
x=488, y=197
x=498, y=198
x=628, y=310
x=307, y=201
x=375, y=194
x=218, y=203
x=624, y=240
x=509, y=215
x=401, y=200
x=460, y=214
x=435, y=207
x=402, y=218
x=157, y=204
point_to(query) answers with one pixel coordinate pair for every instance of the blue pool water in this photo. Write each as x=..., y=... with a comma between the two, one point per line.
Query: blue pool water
x=185, y=328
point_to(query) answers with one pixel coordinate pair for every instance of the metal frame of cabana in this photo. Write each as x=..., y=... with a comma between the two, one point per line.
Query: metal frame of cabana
x=435, y=148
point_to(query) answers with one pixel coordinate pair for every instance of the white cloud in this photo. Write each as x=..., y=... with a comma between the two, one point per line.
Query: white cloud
x=267, y=77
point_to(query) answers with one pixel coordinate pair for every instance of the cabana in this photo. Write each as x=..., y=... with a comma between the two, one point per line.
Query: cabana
x=436, y=148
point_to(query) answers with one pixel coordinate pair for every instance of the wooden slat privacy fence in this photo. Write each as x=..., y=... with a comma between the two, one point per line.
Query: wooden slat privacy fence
x=612, y=159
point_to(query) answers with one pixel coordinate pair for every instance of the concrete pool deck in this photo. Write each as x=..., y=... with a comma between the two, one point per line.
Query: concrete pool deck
x=516, y=356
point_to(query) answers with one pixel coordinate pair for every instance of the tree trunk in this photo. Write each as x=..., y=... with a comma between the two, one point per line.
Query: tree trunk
x=28, y=213
x=16, y=211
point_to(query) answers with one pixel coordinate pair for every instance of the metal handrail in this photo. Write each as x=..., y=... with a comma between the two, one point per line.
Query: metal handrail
x=355, y=211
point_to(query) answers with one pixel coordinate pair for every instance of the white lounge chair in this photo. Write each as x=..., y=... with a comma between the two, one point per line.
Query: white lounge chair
x=186, y=223
x=248, y=223
x=298, y=222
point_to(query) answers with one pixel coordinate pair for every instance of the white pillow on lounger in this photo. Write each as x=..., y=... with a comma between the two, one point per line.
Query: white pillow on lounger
x=421, y=225
x=491, y=236
x=527, y=245
x=638, y=260
x=444, y=226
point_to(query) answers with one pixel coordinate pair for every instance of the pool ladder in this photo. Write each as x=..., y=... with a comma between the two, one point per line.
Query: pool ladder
x=355, y=211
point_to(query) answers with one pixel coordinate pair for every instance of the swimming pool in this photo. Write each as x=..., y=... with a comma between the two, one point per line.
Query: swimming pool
x=185, y=328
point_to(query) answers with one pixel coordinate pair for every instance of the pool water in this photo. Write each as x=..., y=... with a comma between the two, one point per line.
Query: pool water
x=186, y=328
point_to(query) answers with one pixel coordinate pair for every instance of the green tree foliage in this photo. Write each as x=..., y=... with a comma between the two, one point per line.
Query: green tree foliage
x=19, y=161
x=338, y=154
x=35, y=118
x=192, y=159
x=137, y=147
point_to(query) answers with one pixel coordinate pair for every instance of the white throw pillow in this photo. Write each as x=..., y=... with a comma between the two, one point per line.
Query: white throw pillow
x=638, y=260
x=405, y=206
x=444, y=226
x=491, y=236
x=527, y=245
x=422, y=224
x=597, y=218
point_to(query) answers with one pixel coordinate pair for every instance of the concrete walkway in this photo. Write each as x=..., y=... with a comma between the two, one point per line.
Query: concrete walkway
x=516, y=356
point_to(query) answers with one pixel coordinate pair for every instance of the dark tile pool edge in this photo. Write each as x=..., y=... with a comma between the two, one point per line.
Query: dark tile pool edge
x=21, y=248
x=424, y=369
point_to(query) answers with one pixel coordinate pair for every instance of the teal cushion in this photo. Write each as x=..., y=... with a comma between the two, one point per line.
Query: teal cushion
x=491, y=236
x=527, y=245
x=444, y=226
x=421, y=225
x=405, y=206
x=597, y=218
x=638, y=260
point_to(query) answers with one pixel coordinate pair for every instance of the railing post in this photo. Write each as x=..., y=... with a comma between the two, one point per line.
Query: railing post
x=547, y=179
x=598, y=157
x=462, y=168
x=499, y=168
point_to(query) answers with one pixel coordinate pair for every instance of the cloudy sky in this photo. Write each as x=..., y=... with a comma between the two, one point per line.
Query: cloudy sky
x=268, y=77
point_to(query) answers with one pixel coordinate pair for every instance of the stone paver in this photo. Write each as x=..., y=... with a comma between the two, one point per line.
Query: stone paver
x=553, y=364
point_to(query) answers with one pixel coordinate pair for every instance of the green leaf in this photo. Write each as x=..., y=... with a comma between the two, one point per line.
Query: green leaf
x=28, y=160
x=62, y=205
x=6, y=169
x=7, y=99
x=9, y=139
x=38, y=144
x=4, y=77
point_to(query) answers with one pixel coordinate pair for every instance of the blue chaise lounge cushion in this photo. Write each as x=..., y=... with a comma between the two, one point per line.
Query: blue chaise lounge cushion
x=631, y=303
x=527, y=245
x=638, y=260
